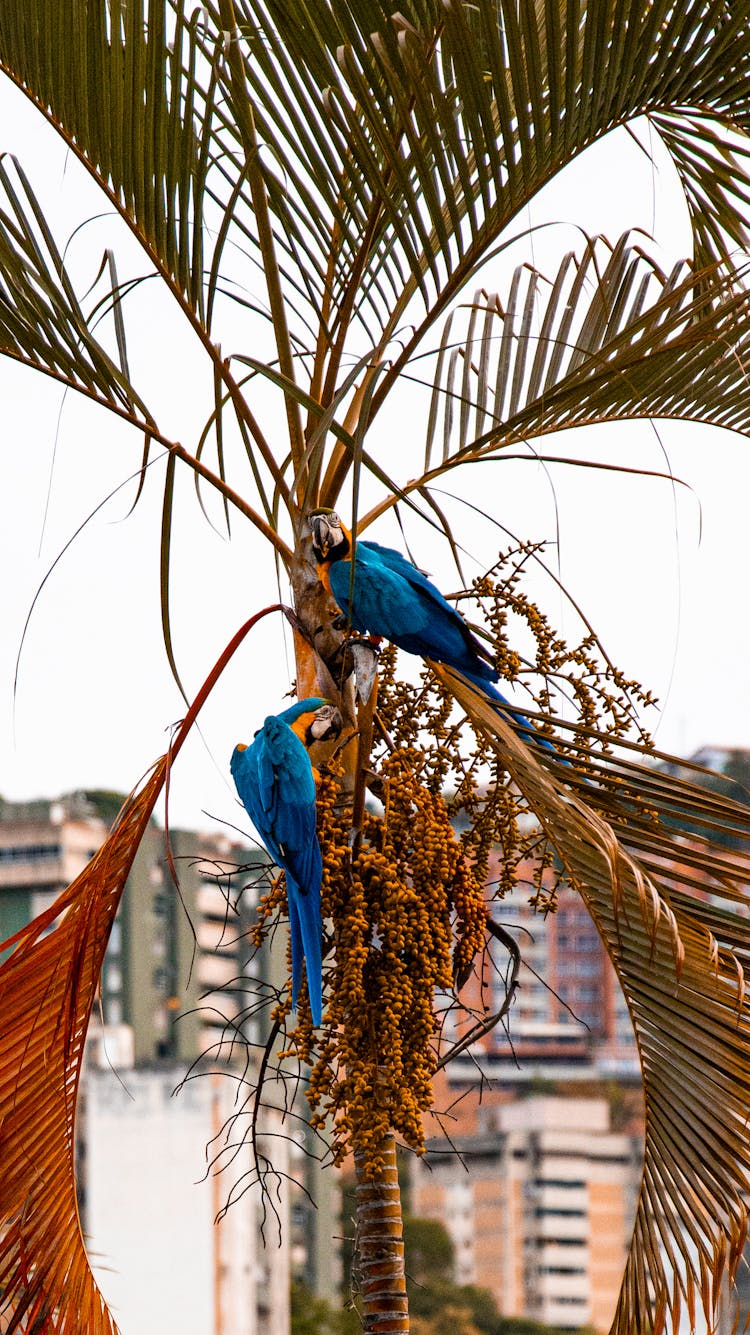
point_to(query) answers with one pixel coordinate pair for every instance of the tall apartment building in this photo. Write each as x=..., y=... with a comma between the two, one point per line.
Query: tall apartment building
x=43, y=847
x=165, y=1254
x=569, y=1018
x=178, y=966
x=543, y=1216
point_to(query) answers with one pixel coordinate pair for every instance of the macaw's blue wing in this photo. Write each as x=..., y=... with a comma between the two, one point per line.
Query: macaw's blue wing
x=274, y=779
x=394, y=599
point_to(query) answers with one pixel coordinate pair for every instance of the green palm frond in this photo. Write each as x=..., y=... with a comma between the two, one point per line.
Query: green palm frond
x=425, y=131
x=349, y=168
x=610, y=336
x=45, y=325
x=121, y=83
x=389, y=149
x=428, y=127
x=665, y=907
x=42, y=321
x=713, y=167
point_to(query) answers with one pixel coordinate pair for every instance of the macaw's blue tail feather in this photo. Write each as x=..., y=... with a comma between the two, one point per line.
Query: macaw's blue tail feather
x=523, y=726
x=306, y=932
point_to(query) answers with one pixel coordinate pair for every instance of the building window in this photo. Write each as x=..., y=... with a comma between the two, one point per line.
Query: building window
x=560, y=1242
x=571, y=1182
x=562, y=1270
x=30, y=852
x=558, y=1212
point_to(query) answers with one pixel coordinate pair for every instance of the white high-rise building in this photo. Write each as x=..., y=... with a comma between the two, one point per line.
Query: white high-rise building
x=165, y=1256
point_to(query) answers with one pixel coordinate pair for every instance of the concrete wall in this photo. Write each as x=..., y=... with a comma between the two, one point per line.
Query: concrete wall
x=160, y=1259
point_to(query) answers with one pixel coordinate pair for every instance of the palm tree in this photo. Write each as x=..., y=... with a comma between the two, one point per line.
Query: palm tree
x=340, y=174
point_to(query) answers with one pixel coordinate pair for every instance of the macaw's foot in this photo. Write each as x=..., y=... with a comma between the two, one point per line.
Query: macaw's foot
x=356, y=655
x=365, y=652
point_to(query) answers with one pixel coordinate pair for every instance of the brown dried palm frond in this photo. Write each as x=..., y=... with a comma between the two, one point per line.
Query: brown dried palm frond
x=47, y=989
x=48, y=984
x=670, y=906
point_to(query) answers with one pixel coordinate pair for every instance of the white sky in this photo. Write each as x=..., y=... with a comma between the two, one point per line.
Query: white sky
x=660, y=570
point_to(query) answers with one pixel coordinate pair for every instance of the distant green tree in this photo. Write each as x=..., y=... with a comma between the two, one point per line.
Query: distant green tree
x=429, y=1248
x=439, y=1306
x=106, y=801
x=311, y=1315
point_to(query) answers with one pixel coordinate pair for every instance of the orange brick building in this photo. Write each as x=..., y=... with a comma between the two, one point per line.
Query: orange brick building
x=539, y=1203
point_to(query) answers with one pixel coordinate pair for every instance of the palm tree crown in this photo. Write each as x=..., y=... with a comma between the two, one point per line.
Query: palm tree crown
x=338, y=179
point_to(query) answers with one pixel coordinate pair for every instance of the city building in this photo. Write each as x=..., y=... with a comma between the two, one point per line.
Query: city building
x=183, y=992
x=568, y=1019
x=539, y=1200
x=43, y=847
x=179, y=967
x=165, y=1253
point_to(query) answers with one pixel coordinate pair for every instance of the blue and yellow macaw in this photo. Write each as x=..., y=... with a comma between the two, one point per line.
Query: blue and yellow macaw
x=276, y=784
x=389, y=596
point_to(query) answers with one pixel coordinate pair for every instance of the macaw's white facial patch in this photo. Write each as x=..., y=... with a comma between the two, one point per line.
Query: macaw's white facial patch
x=326, y=724
x=328, y=534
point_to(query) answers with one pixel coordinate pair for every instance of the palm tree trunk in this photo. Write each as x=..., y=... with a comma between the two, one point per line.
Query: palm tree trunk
x=379, y=1255
x=317, y=643
x=379, y=1247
